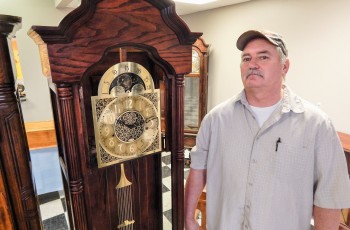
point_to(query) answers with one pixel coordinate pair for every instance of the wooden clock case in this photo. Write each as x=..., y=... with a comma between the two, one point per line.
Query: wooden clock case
x=19, y=208
x=197, y=93
x=95, y=36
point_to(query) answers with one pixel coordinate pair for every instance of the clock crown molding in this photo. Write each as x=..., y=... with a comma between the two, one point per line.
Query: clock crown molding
x=9, y=24
x=201, y=45
x=43, y=53
x=90, y=30
x=64, y=31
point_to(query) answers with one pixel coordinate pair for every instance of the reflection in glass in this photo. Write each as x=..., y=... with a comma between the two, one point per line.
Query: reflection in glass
x=195, y=62
x=191, y=103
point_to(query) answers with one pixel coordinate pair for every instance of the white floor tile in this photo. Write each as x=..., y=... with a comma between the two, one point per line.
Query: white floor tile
x=165, y=154
x=166, y=224
x=51, y=209
x=166, y=201
x=167, y=182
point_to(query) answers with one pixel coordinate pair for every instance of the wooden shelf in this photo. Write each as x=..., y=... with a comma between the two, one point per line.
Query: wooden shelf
x=345, y=140
x=40, y=134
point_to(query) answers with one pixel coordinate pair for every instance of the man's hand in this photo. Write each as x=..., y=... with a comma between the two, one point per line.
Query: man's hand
x=191, y=224
x=195, y=183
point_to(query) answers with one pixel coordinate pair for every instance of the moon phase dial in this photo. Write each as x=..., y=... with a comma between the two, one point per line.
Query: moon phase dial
x=125, y=77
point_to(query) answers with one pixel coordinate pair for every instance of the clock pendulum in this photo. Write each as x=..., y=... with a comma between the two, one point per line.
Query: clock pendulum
x=124, y=197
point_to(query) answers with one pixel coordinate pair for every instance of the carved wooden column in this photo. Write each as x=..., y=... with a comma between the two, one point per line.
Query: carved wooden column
x=18, y=205
x=66, y=93
x=177, y=185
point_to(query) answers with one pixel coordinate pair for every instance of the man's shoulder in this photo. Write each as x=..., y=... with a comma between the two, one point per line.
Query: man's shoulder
x=314, y=110
x=313, y=114
x=226, y=106
x=301, y=105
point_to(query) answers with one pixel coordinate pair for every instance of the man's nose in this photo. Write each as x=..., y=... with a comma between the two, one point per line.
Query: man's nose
x=253, y=64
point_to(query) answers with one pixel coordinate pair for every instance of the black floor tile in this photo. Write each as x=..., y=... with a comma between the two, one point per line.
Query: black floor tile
x=56, y=223
x=164, y=189
x=63, y=200
x=47, y=197
x=166, y=159
x=167, y=214
x=166, y=171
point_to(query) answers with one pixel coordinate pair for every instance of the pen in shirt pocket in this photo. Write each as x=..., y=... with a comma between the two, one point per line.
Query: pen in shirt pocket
x=277, y=143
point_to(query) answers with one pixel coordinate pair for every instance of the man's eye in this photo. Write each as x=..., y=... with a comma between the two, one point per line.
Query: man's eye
x=245, y=59
x=263, y=57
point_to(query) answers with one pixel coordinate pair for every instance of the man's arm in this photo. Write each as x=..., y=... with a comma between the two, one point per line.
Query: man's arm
x=326, y=219
x=194, y=186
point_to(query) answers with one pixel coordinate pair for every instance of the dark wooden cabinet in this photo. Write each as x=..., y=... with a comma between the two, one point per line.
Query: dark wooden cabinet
x=18, y=205
x=345, y=139
x=95, y=36
x=195, y=93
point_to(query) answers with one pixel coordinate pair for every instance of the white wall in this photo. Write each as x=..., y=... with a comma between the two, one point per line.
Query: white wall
x=317, y=34
x=33, y=12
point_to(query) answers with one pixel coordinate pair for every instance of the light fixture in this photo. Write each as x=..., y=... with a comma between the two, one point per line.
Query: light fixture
x=198, y=2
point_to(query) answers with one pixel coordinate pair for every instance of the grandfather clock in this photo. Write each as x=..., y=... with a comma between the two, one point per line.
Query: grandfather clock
x=18, y=205
x=104, y=64
x=196, y=92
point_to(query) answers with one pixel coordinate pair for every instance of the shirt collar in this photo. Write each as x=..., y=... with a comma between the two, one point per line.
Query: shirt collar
x=290, y=101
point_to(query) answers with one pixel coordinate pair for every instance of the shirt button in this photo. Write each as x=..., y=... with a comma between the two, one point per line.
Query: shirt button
x=250, y=184
x=254, y=161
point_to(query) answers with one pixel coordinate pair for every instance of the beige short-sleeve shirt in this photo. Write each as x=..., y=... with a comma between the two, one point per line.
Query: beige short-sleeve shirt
x=270, y=177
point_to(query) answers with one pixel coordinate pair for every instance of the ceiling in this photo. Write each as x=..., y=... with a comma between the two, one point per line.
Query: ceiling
x=181, y=8
x=186, y=8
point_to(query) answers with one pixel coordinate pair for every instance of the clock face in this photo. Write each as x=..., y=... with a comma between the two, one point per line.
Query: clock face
x=127, y=126
x=125, y=77
x=126, y=114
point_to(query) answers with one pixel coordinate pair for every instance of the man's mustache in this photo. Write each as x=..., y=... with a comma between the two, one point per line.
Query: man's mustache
x=254, y=72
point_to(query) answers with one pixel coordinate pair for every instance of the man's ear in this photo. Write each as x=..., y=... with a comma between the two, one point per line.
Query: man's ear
x=285, y=67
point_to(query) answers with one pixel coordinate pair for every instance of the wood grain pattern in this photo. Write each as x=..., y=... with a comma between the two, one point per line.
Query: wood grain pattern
x=18, y=203
x=177, y=160
x=6, y=219
x=80, y=49
x=69, y=61
x=71, y=140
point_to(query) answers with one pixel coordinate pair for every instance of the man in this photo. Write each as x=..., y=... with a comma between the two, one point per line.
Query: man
x=269, y=159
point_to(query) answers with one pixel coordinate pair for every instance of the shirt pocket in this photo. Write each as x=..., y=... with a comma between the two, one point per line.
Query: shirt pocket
x=292, y=163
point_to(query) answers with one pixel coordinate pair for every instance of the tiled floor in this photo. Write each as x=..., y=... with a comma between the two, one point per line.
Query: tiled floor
x=53, y=210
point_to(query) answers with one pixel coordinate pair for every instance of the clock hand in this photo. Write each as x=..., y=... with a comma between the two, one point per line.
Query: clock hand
x=150, y=118
x=123, y=124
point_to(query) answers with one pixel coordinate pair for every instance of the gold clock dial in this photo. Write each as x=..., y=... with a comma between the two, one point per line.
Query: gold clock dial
x=124, y=126
x=128, y=126
x=125, y=77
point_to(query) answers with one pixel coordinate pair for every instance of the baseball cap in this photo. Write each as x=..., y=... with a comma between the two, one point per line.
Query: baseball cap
x=273, y=38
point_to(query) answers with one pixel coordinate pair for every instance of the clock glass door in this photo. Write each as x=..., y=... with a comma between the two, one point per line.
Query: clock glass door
x=122, y=104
